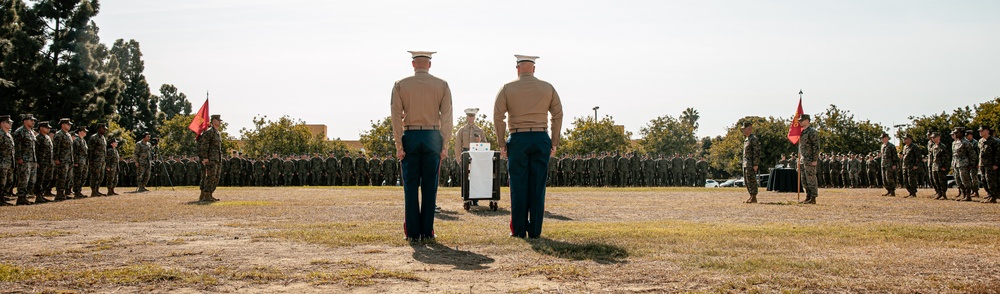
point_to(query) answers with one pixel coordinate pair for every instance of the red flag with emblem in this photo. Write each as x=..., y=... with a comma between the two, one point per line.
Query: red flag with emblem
x=795, y=131
x=200, y=123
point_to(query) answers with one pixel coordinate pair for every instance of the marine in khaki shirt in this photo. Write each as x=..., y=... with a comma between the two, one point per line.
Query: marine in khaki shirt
x=528, y=102
x=421, y=102
x=421, y=116
x=470, y=133
x=523, y=106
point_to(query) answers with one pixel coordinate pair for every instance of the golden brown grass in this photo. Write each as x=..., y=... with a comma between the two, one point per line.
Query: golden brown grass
x=622, y=240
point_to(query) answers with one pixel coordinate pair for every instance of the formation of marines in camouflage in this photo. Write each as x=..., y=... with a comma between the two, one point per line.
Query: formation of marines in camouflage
x=37, y=159
x=970, y=161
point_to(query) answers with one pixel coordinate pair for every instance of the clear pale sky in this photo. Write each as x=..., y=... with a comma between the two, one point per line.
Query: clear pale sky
x=334, y=62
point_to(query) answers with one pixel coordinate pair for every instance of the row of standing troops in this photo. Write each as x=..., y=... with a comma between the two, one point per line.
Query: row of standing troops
x=238, y=171
x=630, y=170
x=33, y=160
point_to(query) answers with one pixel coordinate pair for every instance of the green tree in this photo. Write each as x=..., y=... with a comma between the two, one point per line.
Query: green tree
x=690, y=117
x=284, y=136
x=73, y=79
x=588, y=136
x=840, y=132
x=987, y=113
x=667, y=135
x=173, y=102
x=21, y=41
x=726, y=154
x=138, y=107
x=379, y=138
x=127, y=145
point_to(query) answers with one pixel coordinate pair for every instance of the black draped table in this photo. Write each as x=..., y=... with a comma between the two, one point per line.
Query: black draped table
x=782, y=180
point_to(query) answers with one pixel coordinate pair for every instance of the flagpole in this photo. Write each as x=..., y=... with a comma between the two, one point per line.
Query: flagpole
x=798, y=177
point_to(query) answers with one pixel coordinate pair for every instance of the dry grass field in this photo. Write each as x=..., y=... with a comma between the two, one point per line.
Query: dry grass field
x=331, y=240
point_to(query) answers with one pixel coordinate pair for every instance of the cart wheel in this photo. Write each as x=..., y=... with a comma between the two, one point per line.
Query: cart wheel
x=494, y=205
x=467, y=205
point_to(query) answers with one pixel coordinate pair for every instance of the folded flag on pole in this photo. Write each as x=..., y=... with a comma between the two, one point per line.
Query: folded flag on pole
x=200, y=123
x=795, y=131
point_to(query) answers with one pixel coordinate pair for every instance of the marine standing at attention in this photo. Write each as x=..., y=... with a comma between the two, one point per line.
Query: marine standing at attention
x=210, y=154
x=421, y=124
x=526, y=104
x=751, y=161
x=809, y=152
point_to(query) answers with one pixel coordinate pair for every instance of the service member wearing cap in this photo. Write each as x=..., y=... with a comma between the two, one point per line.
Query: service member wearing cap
x=43, y=154
x=751, y=161
x=911, y=165
x=111, y=166
x=210, y=153
x=98, y=159
x=62, y=151
x=989, y=151
x=970, y=135
x=940, y=162
x=80, y=163
x=470, y=133
x=809, y=152
x=890, y=160
x=523, y=107
x=24, y=148
x=6, y=157
x=962, y=164
x=421, y=125
x=143, y=156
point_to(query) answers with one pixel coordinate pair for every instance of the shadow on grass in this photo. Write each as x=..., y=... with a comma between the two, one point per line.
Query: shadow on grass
x=435, y=253
x=554, y=216
x=780, y=203
x=600, y=253
x=198, y=203
x=446, y=215
x=486, y=211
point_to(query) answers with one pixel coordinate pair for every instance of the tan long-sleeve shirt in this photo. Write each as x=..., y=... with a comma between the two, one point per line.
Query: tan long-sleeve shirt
x=528, y=102
x=465, y=136
x=421, y=100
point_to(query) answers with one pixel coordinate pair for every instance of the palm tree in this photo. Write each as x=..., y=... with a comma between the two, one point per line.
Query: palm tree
x=690, y=117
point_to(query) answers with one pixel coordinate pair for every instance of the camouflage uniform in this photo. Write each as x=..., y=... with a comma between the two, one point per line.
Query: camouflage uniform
x=143, y=157
x=43, y=152
x=97, y=160
x=318, y=177
x=390, y=170
x=62, y=147
x=962, y=163
x=890, y=164
x=940, y=162
x=24, y=149
x=191, y=172
x=678, y=171
x=111, y=162
x=80, y=164
x=809, y=152
x=210, y=150
x=751, y=163
x=347, y=171
x=332, y=170
x=288, y=171
x=6, y=161
x=911, y=165
x=989, y=151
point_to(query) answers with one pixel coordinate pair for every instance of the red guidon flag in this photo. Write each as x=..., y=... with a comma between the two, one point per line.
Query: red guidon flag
x=794, y=132
x=200, y=123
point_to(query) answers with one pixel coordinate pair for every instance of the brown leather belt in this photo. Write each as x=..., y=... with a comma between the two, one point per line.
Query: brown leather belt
x=420, y=128
x=524, y=130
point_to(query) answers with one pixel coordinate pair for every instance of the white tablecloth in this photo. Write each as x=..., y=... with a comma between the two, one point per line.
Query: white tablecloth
x=481, y=175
